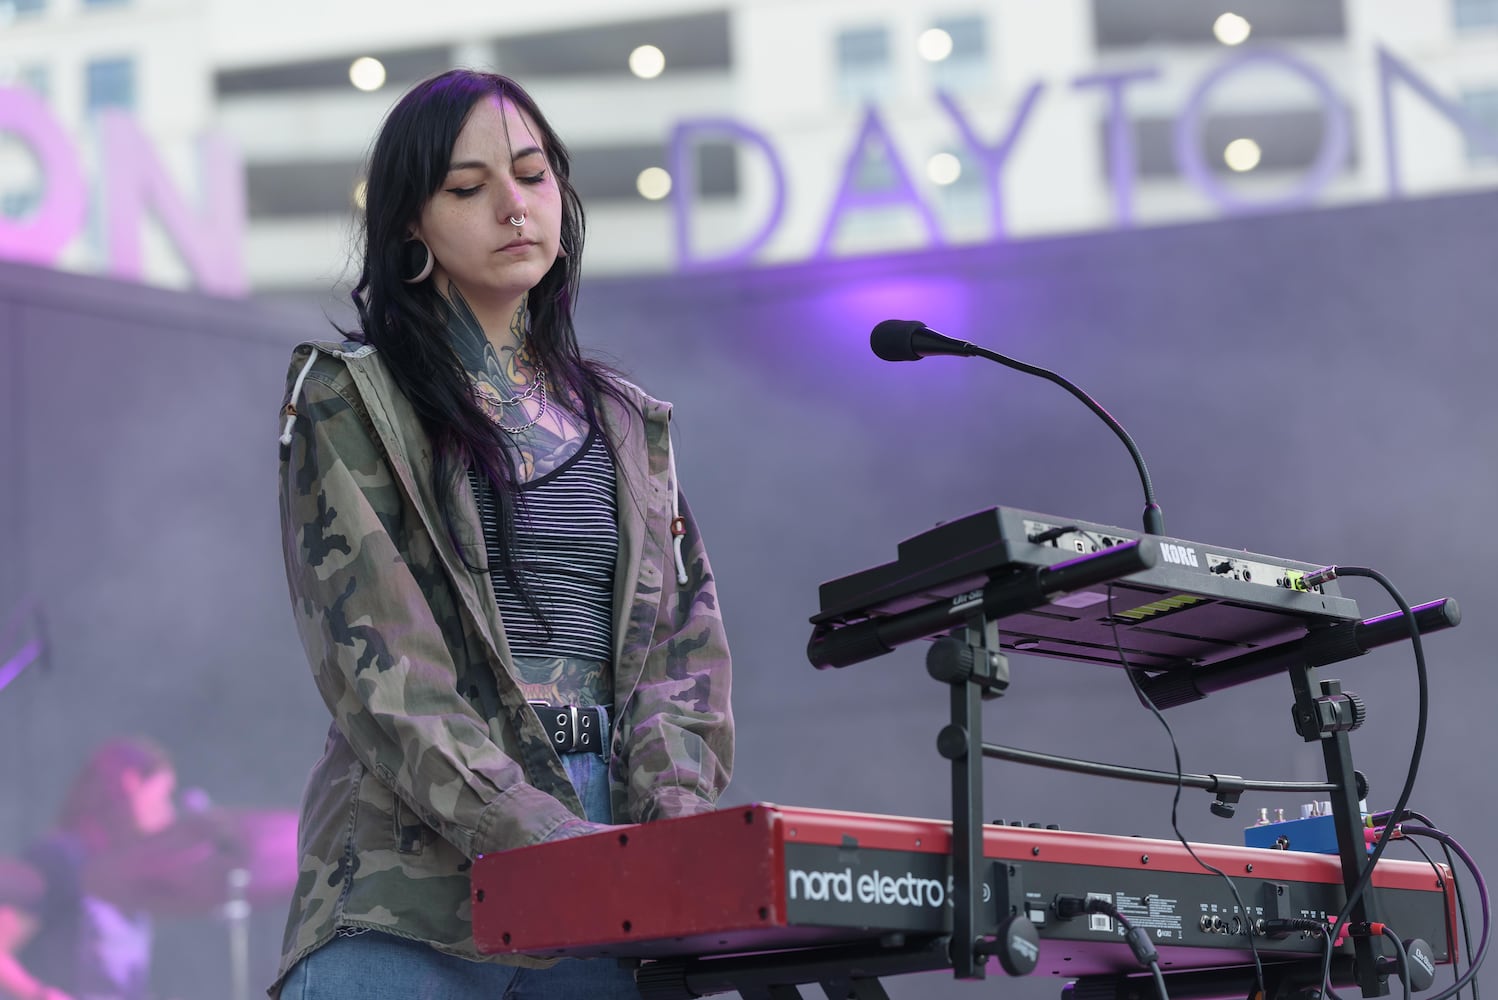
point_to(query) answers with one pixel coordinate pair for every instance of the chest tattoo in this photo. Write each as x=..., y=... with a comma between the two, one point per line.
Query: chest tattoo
x=541, y=419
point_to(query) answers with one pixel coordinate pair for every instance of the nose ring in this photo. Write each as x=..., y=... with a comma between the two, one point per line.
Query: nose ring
x=517, y=223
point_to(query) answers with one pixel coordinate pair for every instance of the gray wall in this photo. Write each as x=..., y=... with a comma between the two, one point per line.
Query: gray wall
x=1317, y=386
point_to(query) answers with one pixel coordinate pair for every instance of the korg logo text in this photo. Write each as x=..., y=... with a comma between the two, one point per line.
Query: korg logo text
x=1178, y=554
x=885, y=890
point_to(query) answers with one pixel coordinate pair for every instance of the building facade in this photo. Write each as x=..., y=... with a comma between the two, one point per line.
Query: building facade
x=767, y=131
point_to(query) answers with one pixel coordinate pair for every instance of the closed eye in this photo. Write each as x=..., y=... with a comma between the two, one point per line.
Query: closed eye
x=467, y=192
x=534, y=178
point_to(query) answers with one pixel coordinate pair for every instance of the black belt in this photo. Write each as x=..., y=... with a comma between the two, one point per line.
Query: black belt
x=572, y=728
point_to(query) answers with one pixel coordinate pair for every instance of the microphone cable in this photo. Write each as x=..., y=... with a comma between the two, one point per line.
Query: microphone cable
x=1421, y=721
x=1475, y=959
x=1461, y=902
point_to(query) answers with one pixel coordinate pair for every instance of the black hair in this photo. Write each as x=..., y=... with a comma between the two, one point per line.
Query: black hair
x=408, y=322
x=98, y=808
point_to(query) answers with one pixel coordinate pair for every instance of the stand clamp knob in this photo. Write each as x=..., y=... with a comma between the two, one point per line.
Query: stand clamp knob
x=1340, y=712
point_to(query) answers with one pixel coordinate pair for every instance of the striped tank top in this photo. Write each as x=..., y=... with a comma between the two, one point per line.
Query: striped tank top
x=566, y=541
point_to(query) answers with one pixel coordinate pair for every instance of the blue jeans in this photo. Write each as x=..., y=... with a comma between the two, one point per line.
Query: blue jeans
x=589, y=773
x=369, y=965
x=375, y=966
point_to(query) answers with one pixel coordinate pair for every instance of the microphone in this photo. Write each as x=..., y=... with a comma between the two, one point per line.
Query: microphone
x=911, y=340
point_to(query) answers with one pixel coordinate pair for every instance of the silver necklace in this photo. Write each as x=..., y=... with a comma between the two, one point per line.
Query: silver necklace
x=537, y=388
x=530, y=390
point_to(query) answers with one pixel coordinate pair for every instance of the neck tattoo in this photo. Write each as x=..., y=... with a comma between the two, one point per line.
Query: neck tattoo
x=495, y=375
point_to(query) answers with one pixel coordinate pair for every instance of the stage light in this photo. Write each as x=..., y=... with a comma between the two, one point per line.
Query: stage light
x=943, y=169
x=653, y=183
x=367, y=73
x=1232, y=29
x=647, y=62
x=934, y=45
x=1242, y=155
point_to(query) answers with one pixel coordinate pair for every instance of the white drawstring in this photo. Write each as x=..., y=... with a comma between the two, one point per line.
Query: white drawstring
x=296, y=391
x=678, y=523
x=296, y=387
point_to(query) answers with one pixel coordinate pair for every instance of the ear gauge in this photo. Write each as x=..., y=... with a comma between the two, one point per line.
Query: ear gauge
x=416, y=261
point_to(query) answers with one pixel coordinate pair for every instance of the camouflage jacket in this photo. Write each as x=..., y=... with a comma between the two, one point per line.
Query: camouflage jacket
x=434, y=756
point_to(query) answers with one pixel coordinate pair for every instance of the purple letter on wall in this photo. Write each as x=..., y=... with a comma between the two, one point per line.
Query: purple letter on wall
x=209, y=240
x=903, y=192
x=41, y=238
x=1472, y=130
x=1121, y=166
x=993, y=157
x=684, y=184
x=1329, y=158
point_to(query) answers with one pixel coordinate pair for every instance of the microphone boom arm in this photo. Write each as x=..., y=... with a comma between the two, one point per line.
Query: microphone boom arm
x=1154, y=517
x=911, y=340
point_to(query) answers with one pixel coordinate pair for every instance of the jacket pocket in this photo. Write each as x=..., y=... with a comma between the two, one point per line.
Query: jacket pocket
x=386, y=810
x=411, y=834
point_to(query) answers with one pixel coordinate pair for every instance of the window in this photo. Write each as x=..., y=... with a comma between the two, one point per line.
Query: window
x=21, y=186
x=1151, y=23
x=956, y=173
x=19, y=203
x=874, y=173
x=1288, y=140
x=690, y=42
x=35, y=78
x=1483, y=106
x=21, y=8
x=863, y=65
x=1470, y=14
x=965, y=67
x=401, y=66
x=110, y=84
x=962, y=199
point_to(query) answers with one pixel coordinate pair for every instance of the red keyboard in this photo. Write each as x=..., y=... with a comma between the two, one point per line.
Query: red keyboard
x=764, y=878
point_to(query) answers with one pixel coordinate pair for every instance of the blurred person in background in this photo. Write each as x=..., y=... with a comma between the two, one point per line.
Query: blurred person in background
x=502, y=594
x=121, y=854
x=21, y=890
x=94, y=932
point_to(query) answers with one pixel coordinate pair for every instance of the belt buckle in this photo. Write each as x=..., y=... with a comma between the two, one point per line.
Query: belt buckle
x=566, y=724
x=561, y=717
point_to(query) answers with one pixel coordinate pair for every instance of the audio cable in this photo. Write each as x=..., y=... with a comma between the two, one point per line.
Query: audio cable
x=1067, y=907
x=1175, y=804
